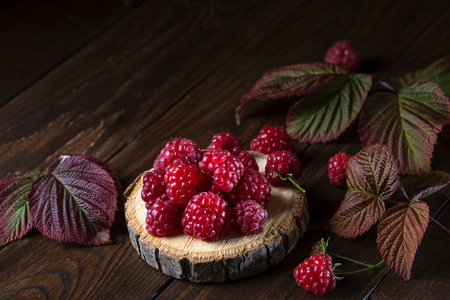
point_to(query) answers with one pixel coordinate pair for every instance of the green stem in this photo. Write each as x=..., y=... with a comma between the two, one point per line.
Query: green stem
x=358, y=271
x=349, y=259
x=295, y=183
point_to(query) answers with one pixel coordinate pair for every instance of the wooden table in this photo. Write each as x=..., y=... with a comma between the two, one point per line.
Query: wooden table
x=118, y=79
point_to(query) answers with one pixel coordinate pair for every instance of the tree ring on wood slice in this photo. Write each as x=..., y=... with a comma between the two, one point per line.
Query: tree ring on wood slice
x=233, y=257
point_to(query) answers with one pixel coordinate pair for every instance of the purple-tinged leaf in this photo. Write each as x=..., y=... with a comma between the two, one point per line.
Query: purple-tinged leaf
x=74, y=201
x=15, y=219
x=293, y=80
x=372, y=177
x=400, y=232
x=438, y=72
x=326, y=112
x=406, y=119
x=416, y=188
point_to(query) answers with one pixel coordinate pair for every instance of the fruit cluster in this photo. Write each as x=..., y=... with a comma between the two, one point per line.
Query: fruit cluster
x=203, y=192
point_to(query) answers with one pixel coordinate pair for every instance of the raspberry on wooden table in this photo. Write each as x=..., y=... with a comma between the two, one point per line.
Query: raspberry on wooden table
x=337, y=168
x=248, y=161
x=342, y=54
x=163, y=218
x=228, y=173
x=212, y=158
x=282, y=163
x=315, y=274
x=181, y=181
x=226, y=141
x=249, y=216
x=252, y=186
x=272, y=139
x=153, y=186
x=207, y=217
x=176, y=152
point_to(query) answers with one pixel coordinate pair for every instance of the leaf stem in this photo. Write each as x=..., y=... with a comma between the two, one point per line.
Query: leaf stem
x=440, y=225
x=336, y=272
x=295, y=183
x=349, y=259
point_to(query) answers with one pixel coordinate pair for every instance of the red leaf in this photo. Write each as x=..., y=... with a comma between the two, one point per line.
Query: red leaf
x=15, y=218
x=399, y=234
x=372, y=177
x=74, y=201
x=288, y=81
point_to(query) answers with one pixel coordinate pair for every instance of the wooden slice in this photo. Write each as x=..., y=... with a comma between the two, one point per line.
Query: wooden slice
x=231, y=258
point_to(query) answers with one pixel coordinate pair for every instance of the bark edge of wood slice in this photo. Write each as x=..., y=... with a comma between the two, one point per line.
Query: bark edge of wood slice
x=237, y=255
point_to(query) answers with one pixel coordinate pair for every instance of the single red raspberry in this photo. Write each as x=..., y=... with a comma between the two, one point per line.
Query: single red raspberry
x=315, y=274
x=211, y=159
x=252, y=186
x=249, y=216
x=181, y=181
x=163, y=197
x=337, y=167
x=228, y=173
x=153, y=186
x=226, y=141
x=207, y=217
x=282, y=163
x=163, y=218
x=248, y=161
x=176, y=152
x=342, y=54
x=272, y=139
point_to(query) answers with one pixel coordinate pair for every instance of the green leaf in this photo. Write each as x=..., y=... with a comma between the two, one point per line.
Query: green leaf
x=416, y=188
x=15, y=220
x=407, y=119
x=372, y=177
x=399, y=234
x=288, y=81
x=438, y=72
x=325, y=113
x=75, y=200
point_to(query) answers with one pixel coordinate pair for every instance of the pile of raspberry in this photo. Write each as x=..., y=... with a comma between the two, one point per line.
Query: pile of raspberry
x=203, y=193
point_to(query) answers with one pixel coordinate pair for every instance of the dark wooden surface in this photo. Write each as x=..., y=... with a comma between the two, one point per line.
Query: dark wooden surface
x=118, y=79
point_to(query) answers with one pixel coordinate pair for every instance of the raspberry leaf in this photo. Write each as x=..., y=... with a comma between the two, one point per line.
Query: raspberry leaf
x=399, y=234
x=416, y=188
x=372, y=177
x=438, y=72
x=406, y=118
x=15, y=219
x=74, y=201
x=326, y=112
x=293, y=80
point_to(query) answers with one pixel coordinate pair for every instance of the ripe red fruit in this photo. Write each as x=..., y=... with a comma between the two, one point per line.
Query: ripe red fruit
x=163, y=219
x=252, y=186
x=153, y=186
x=248, y=161
x=272, y=139
x=315, y=274
x=337, y=167
x=181, y=181
x=342, y=54
x=176, y=152
x=228, y=173
x=212, y=158
x=249, y=216
x=226, y=141
x=282, y=163
x=207, y=217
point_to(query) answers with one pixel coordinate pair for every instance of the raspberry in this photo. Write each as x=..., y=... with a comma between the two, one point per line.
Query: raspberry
x=211, y=159
x=181, y=182
x=228, y=173
x=315, y=274
x=207, y=217
x=342, y=54
x=176, y=152
x=248, y=161
x=282, y=162
x=337, y=167
x=250, y=216
x=272, y=139
x=154, y=186
x=163, y=218
x=252, y=186
x=208, y=184
x=226, y=141
x=163, y=197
